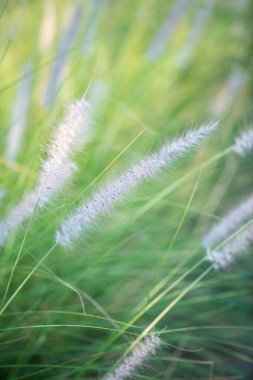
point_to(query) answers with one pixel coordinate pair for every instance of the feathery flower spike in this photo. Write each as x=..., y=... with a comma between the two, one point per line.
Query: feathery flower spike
x=56, y=170
x=224, y=257
x=71, y=135
x=139, y=355
x=229, y=223
x=244, y=143
x=18, y=215
x=105, y=199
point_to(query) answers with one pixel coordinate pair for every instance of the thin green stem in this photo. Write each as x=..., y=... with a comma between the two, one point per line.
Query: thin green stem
x=26, y=279
x=19, y=254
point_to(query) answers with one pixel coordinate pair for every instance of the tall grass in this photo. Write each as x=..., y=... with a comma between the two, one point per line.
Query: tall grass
x=150, y=70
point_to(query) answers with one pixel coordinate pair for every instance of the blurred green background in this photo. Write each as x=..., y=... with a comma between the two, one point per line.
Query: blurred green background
x=150, y=69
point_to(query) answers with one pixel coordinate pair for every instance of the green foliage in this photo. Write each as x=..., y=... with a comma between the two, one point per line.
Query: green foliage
x=82, y=309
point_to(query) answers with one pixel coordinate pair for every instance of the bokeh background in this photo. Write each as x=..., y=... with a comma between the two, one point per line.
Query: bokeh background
x=151, y=69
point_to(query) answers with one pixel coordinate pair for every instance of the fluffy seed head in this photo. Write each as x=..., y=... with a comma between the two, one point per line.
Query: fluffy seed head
x=244, y=143
x=71, y=134
x=54, y=181
x=230, y=222
x=56, y=170
x=224, y=257
x=140, y=354
x=17, y=216
x=105, y=199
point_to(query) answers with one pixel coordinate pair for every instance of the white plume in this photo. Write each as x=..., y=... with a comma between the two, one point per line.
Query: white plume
x=229, y=223
x=105, y=199
x=139, y=355
x=57, y=169
x=71, y=135
x=18, y=215
x=238, y=245
x=244, y=143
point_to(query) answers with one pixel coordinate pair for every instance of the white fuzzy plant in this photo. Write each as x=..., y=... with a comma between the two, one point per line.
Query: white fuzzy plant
x=222, y=258
x=229, y=223
x=240, y=215
x=105, y=199
x=140, y=354
x=71, y=135
x=244, y=143
x=57, y=169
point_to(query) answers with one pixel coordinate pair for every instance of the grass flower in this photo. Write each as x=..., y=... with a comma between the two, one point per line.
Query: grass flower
x=244, y=143
x=224, y=257
x=140, y=354
x=18, y=215
x=136, y=268
x=105, y=199
x=56, y=170
x=71, y=135
x=229, y=223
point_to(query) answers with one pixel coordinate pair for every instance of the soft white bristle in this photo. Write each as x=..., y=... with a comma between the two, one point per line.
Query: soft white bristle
x=105, y=199
x=55, y=179
x=244, y=143
x=57, y=169
x=229, y=223
x=71, y=135
x=140, y=354
x=18, y=215
x=225, y=256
